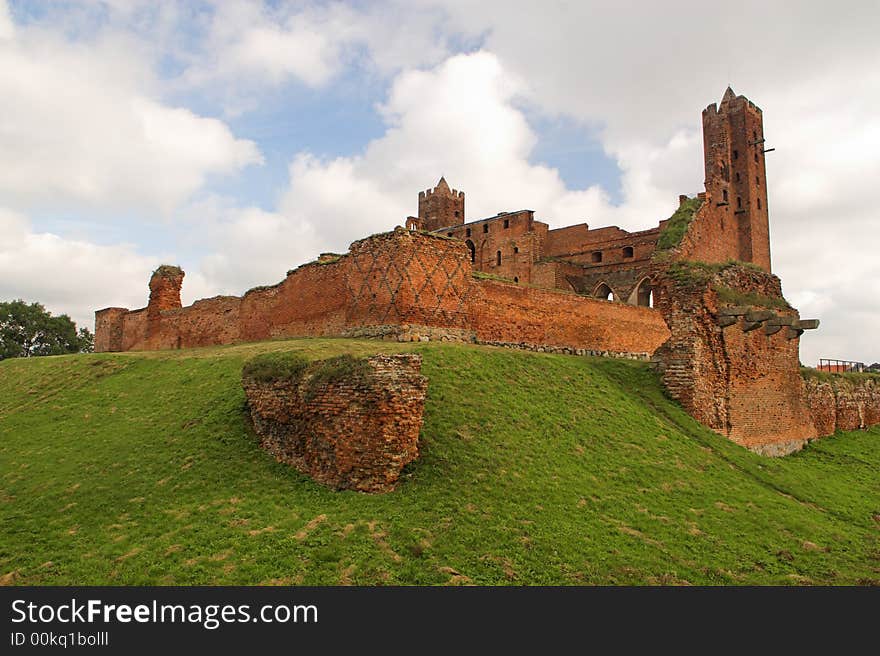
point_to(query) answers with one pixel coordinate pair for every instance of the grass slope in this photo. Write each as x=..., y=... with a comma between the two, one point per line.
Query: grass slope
x=535, y=469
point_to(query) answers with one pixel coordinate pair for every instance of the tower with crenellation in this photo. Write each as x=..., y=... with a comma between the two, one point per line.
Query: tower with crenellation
x=736, y=180
x=440, y=207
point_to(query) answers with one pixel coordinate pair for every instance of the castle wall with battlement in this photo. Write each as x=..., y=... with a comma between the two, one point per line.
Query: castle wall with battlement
x=422, y=282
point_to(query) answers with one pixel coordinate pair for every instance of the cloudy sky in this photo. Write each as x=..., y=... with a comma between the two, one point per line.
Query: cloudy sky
x=239, y=139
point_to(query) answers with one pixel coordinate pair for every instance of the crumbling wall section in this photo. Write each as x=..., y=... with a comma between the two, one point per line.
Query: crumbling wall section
x=353, y=430
x=842, y=402
x=732, y=360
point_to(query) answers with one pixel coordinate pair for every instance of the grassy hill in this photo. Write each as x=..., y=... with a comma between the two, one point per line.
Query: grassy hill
x=534, y=469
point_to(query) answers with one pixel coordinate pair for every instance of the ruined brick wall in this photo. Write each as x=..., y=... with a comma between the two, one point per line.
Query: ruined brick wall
x=165, y=286
x=735, y=368
x=407, y=277
x=353, y=433
x=713, y=234
x=393, y=285
x=508, y=313
x=843, y=403
x=109, y=329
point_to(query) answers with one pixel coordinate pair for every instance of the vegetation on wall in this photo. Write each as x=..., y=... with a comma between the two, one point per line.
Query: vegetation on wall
x=294, y=367
x=676, y=227
x=729, y=296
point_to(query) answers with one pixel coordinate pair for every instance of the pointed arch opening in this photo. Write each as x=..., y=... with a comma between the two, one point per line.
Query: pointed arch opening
x=644, y=294
x=604, y=291
x=472, y=249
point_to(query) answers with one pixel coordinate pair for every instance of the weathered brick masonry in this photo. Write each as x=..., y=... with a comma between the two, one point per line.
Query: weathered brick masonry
x=843, y=403
x=353, y=433
x=735, y=367
x=397, y=284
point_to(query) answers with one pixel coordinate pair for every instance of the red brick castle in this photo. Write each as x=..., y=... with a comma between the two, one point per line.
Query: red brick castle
x=695, y=293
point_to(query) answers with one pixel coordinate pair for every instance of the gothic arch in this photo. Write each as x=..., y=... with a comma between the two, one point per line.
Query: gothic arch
x=604, y=291
x=472, y=249
x=643, y=294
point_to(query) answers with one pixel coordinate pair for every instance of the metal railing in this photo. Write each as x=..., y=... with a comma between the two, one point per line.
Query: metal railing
x=840, y=366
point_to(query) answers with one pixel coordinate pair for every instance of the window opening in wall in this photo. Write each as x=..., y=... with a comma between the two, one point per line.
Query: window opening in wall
x=467, y=233
x=516, y=279
x=498, y=258
x=472, y=249
x=485, y=227
x=448, y=234
x=456, y=214
x=516, y=249
x=645, y=294
x=724, y=195
x=737, y=177
x=627, y=251
x=596, y=256
x=735, y=154
x=756, y=155
x=759, y=203
x=506, y=223
x=604, y=292
x=757, y=181
x=739, y=202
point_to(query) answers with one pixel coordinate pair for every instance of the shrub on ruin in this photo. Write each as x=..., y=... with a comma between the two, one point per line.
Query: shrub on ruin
x=271, y=367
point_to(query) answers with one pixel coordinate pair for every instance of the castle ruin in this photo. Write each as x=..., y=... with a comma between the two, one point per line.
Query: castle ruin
x=695, y=294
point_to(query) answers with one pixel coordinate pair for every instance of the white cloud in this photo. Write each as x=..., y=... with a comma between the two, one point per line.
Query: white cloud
x=80, y=125
x=7, y=29
x=69, y=276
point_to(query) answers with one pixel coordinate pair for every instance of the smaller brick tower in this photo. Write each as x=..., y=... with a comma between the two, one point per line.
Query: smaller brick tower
x=165, y=286
x=440, y=207
x=736, y=180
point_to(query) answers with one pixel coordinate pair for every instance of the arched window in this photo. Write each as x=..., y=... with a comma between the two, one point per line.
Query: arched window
x=627, y=251
x=644, y=294
x=498, y=258
x=604, y=292
x=472, y=249
x=516, y=249
x=516, y=279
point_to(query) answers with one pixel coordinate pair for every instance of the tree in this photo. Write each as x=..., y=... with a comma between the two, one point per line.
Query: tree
x=30, y=330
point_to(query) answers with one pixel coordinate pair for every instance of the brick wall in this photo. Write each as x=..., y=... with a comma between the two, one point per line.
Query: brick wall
x=398, y=284
x=356, y=433
x=507, y=313
x=713, y=234
x=735, y=372
x=843, y=403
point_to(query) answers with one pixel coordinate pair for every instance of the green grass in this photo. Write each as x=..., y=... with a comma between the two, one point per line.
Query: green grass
x=729, y=296
x=673, y=232
x=534, y=469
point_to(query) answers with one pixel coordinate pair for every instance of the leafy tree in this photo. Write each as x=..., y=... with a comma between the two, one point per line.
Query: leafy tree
x=30, y=330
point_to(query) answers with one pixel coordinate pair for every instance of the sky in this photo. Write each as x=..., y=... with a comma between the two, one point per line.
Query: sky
x=240, y=139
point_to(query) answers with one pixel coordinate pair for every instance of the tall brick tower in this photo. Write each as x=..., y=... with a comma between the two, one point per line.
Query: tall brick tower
x=441, y=207
x=736, y=180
